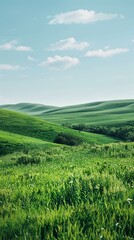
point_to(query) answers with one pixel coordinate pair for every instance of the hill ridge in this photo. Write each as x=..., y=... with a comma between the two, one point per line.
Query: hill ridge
x=100, y=112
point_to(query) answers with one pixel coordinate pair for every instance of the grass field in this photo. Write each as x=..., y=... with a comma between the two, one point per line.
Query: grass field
x=73, y=193
x=97, y=113
x=37, y=130
x=10, y=142
x=50, y=191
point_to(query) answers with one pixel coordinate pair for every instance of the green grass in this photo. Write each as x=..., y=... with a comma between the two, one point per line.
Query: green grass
x=75, y=193
x=98, y=113
x=101, y=113
x=18, y=123
x=49, y=191
x=10, y=142
x=29, y=108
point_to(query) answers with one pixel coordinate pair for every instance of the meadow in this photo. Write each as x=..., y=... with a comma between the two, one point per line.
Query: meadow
x=60, y=183
x=83, y=192
x=103, y=113
x=20, y=131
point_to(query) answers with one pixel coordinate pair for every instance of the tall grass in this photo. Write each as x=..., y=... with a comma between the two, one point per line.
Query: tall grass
x=82, y=192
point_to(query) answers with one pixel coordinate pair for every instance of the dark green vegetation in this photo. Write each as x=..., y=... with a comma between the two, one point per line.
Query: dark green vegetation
x=124, y=133
x=99, y=113
x=67, y=139
x=17, y=127
x=84, y=192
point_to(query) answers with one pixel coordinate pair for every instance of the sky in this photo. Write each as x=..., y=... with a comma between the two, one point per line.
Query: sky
x=58, y=52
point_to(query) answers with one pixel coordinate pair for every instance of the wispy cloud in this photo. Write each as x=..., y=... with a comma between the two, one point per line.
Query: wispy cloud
x=23, y=48
x=13, y=45
x=31, y=59
x=106, y=52
x=8, y=45
x=81, y=16
x=68, y=44
x=59, y=62
x=8, y=67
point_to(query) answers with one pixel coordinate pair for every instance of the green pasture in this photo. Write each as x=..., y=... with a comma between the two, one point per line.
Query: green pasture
x=25, y=125
x=98, y=113
x=10, y=142
x=74, y=193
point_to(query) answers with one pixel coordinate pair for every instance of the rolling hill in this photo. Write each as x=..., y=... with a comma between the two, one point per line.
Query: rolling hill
x=18, y=128
x=34, y=109
x=10, y=142
x=98, y=113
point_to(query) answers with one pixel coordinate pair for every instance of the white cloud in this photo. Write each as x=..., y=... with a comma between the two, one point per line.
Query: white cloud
x=13, y=45
x=8, y=45
x=81, y=16
x=58, y=62
x=68, y=44
x=8, y=67
x=23, y=49
x=106, y=52
x=31, y=59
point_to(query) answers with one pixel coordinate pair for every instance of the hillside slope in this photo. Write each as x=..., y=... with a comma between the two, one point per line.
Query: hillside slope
x=100, y=113
x=10, y=142
x=18, y=123
x=97, y=113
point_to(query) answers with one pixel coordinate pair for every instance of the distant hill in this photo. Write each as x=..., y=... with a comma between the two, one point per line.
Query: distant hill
x=34, y=109
x=97, y=113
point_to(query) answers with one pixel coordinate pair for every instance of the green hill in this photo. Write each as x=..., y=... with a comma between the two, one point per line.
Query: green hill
x=29, y=108
x=33, y=127
x=97, y=113
x=100, y=113
x=10, y=142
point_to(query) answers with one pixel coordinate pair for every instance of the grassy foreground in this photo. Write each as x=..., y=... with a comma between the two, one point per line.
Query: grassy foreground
x=74, y=193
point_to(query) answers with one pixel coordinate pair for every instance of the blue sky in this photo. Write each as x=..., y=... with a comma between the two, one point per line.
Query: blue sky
x=61, y=52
